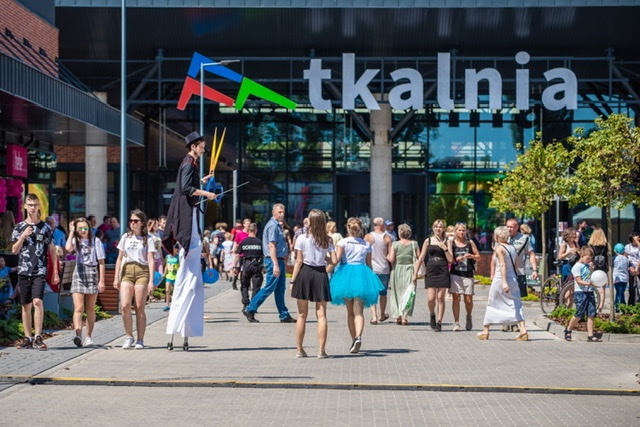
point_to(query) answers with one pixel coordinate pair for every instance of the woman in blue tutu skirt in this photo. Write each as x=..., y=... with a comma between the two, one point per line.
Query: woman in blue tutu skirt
x=354, y=284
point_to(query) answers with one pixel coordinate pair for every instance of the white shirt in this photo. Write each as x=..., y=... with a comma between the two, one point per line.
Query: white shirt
x=355, y=250
x=134, y=250
x=86, y=254
x=313, y=255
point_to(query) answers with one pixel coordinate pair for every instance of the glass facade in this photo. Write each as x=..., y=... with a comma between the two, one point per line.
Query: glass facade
x=444, y=163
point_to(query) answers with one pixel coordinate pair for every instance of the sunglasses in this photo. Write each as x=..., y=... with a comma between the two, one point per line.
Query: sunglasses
x=83, y=228
x=134, y=221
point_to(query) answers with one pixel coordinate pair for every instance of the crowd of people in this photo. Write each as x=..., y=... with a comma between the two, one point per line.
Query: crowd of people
x=379, y=269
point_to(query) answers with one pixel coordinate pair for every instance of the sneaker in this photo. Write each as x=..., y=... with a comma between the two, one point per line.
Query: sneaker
x=167, y=308
x=506, y=328
x=469, y=325
x=438, y=327
x=322, y=355
x=39, y=344
x=139, y=345
x=128, y=342
x=88, y=342
x=26, y=343
x=456, y=327
x=77, y=341
x=288, y=319
x=355, y=346
x=432, y=321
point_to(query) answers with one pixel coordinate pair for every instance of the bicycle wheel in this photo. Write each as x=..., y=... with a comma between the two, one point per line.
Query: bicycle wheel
x=549, y=294
x=565, y=298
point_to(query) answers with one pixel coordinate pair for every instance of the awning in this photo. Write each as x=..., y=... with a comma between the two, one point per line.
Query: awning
x=36, y=105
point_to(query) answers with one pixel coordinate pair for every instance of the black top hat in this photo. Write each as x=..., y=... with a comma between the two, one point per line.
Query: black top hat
x=193, y=138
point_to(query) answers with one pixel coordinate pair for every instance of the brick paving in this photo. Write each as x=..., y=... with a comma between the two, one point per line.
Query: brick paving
x=383, y=385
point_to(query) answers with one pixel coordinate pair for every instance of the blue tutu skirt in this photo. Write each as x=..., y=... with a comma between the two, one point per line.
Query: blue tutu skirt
x=355, y=281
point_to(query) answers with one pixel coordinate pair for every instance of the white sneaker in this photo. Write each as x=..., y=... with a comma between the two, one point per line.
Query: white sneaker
x=456, y=327
x=128, y=342
x=139, y=345
x=88, y=342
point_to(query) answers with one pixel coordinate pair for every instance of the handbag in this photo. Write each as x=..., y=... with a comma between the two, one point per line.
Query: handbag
x=421, y=269
x=521, y=278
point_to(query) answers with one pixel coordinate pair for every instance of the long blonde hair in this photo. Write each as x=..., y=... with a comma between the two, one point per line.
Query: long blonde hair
x=597, y=237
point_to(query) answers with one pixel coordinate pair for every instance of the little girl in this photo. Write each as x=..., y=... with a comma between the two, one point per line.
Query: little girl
x=171, y=269
x=88, y=276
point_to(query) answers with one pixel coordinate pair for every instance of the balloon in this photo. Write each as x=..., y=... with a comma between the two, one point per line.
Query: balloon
x=599, y=278
x=210, y=276
x=157, y=278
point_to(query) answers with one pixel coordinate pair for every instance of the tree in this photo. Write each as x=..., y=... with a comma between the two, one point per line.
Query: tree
x=607, y=170
x=531, y=184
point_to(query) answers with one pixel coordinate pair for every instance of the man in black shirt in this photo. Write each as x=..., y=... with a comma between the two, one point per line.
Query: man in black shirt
x=249, y=253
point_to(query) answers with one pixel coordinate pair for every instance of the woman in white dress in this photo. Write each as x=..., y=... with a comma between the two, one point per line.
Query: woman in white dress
x=504, y=306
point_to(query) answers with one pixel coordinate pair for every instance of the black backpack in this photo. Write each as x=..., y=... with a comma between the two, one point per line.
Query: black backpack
x=599, y=260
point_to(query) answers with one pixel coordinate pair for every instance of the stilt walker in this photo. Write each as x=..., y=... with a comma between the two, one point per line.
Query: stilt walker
x=186, y=316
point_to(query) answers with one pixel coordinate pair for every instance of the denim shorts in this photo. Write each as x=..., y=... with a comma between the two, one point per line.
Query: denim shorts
x=384, y=278
x=585, y=304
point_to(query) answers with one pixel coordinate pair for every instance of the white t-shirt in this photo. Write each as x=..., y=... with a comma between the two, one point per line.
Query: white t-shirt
x=355, y=250
x=86, y=254
x=633, y=252
x=313, y=255
x=134, y=249
x=583, y=271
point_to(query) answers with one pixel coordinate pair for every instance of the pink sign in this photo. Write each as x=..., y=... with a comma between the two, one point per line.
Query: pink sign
x=16, y=161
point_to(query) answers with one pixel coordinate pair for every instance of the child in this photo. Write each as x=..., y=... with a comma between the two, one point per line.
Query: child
x=7, y=293
x=228, y=257
x=620, y=273
x=6, y=290
x=583, y=294
x=172, y=264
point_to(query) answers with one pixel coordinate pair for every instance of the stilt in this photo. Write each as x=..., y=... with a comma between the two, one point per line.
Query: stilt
x=170, y=343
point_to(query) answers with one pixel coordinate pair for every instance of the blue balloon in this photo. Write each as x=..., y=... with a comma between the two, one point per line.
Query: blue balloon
x=210, y=276
x=157, y=278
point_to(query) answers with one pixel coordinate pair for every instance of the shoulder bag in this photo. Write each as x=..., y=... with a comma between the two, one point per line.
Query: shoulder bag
x=522, y=279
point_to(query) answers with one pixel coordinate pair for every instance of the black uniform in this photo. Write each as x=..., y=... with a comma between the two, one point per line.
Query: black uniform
x=251, y=251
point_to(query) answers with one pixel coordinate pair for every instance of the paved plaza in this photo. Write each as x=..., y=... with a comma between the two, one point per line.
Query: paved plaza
x=243, y=373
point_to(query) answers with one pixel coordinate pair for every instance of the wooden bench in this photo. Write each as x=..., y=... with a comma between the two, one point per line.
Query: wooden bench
x=109, y=300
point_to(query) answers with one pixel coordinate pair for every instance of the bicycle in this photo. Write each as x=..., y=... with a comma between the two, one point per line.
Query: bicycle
x=553, y=294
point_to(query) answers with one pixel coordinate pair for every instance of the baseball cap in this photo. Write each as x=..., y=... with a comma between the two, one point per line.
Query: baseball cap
x=388, y=222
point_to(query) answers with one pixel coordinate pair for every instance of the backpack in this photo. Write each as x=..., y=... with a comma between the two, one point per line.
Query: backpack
x=599, y=260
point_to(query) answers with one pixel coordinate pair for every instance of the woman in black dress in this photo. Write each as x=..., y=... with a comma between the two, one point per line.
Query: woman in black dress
x=438, y=253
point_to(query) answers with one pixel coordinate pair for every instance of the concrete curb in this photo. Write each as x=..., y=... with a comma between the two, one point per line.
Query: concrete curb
x=558, y=330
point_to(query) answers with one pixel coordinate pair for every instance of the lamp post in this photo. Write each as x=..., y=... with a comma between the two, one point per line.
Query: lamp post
x=202, y=66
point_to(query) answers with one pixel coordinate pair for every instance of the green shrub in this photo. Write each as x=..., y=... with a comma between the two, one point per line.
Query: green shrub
x=52, y=320
x=482, y=280
x=159, y=293
x=531, y=297
x=11, y=330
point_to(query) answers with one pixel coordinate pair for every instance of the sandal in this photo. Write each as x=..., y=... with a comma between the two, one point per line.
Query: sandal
x=405, y=322
x=373, y=321
x=383, y=317
x=567, y=335
x=399, y=321
x=594, y=339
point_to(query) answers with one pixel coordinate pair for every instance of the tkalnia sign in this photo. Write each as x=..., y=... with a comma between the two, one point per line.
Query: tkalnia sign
x=563, y=93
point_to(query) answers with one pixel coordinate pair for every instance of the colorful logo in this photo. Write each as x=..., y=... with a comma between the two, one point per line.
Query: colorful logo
x=247, y=86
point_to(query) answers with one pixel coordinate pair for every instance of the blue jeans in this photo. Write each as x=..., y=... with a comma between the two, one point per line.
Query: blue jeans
x=620, y=287
x=275, y=285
